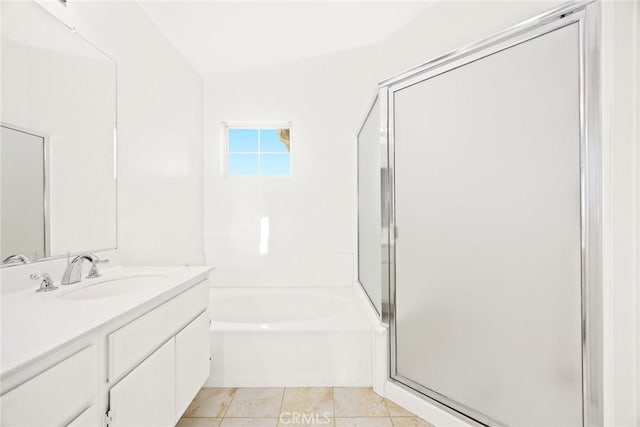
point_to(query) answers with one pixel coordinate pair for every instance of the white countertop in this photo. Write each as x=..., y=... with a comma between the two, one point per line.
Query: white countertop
x=35, y=324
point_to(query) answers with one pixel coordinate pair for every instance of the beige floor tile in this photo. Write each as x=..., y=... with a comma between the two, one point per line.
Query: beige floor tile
x=210, y=402
x=309, y=401
x=199, y=422
x=364, y=422
x=249, y=422
x=396, y=410
x=409, y=422
x=256, y=403
x=358, y=402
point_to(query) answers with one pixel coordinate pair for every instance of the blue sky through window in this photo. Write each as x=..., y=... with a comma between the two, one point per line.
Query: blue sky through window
x=243, y=164
x=274, y=164
x=270, y=142
x=243, y=140
x=257, y=152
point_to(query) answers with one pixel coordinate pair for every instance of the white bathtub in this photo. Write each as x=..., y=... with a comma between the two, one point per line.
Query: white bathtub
x=277, y=337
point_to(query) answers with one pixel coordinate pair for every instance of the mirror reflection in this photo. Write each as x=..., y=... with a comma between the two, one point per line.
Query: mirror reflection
x=23, y=194
x=58, y=138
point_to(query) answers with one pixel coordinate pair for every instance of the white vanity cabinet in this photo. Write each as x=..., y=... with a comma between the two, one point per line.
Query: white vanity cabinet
x=164, y=356
x=157, y=392
x=142, y=368
x=133, y=342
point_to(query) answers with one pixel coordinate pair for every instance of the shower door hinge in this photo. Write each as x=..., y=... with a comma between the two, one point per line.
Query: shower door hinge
x=395, y=232
x=108, y=418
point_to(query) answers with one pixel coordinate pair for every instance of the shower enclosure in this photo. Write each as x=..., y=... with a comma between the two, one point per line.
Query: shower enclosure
x=481, y=191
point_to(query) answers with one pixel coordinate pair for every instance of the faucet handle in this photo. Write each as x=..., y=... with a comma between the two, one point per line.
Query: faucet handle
x=93, y=272
x=46, y=285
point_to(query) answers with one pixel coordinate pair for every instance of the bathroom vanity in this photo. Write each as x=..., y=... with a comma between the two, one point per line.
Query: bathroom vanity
x=128, y=348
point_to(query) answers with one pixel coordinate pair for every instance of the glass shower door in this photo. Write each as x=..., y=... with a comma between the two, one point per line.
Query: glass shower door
x=372, y=240
x=487, y=298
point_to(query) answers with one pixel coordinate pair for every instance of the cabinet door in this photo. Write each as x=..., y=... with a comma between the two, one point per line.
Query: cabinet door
x=192, y=361
x=146, y=396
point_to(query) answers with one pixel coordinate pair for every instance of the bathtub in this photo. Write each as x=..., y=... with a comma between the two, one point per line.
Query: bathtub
x=278, y=337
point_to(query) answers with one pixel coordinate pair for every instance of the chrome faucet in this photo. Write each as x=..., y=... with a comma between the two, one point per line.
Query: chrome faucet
x=73, y=273
x=17, y=259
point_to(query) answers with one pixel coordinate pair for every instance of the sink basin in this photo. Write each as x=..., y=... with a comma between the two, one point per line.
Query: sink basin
x=113, y=286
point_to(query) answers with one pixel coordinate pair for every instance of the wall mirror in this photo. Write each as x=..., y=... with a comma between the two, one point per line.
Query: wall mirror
x=58, y=145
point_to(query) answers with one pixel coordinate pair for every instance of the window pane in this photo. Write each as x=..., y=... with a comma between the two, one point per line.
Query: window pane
x=243, y=164
x=243, y=140
x=274, y=164
x=270, y=141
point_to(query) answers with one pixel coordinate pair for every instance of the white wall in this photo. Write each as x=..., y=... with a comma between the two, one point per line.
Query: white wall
x=159, y=135
x=312, y=213
x=621, y=212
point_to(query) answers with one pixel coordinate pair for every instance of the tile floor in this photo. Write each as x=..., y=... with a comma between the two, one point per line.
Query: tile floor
x=295, y=407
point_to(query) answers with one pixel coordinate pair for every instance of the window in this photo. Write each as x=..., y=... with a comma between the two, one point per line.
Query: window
x=258, y=150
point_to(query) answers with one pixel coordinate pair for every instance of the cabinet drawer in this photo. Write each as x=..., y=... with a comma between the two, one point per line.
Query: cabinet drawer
x=192, y=361
x=130, y=344
x=55, y=396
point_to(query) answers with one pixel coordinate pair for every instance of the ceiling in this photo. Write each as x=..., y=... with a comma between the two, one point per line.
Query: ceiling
x=226, y=36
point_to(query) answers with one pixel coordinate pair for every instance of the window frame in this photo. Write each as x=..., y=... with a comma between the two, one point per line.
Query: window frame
x=227, y=126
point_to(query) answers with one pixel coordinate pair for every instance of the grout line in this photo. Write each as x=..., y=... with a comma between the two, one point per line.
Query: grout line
x=384, y=404
x=233, y=396
x=333, y=403
x=284, y=390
